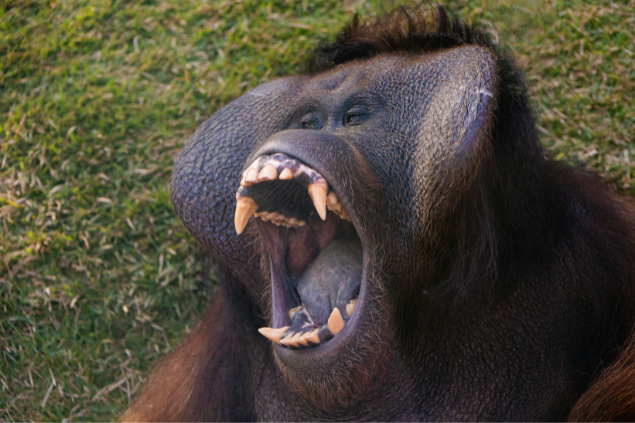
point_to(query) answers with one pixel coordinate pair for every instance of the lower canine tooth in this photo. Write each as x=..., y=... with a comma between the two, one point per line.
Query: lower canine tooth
x=318, y=195
x=245, y=207
x=336, y=323
x=273, y=334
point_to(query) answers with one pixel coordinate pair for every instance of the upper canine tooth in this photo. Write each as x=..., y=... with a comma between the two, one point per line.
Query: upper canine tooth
x=268, y=173
x=318, y=195
x=273, y=334
x=286, y=174
x=336, y=323
x=245, y=207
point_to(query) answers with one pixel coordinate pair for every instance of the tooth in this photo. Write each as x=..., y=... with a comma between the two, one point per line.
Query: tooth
x=245, y=207
x=350, y=307
x=318, y=195
x=286, y=174
x=302, y=223
x=273, y=334
x=336, y=323
x=289, y=339
x=302, y=340
x=251, y=177
x=293, y=221
x=286, y=338
x=268, y=173
x=312, y=337
x=331, y=199
x=293, y=342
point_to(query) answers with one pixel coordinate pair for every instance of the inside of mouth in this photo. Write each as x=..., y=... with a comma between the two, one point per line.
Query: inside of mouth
x=316, y=268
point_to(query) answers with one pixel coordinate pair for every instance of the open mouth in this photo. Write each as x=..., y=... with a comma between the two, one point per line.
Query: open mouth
x=315, y=251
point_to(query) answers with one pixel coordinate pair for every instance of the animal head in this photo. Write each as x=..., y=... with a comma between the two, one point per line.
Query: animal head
x=349, y=201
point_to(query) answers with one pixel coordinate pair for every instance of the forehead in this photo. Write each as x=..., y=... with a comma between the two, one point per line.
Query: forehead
x=392, y=73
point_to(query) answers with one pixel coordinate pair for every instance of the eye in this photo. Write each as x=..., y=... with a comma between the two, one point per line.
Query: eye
x=311, y=121
x=354, y=117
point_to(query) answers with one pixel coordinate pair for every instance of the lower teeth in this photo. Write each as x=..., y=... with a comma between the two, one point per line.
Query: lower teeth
x=303, y=332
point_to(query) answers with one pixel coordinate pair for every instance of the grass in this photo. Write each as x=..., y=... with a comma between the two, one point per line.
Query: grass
x=98, y=279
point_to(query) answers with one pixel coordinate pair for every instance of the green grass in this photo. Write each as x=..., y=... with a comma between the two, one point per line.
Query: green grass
x=98, y=279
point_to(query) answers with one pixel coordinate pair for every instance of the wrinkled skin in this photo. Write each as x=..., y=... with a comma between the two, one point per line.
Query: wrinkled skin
x=434, y=336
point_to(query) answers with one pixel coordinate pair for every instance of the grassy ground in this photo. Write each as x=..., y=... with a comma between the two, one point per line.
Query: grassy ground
x=97, y=277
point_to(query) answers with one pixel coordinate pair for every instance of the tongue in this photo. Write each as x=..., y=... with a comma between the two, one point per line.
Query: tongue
x=332, y=279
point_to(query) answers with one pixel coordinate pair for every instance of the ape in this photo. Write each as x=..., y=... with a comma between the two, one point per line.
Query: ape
x=390, y=223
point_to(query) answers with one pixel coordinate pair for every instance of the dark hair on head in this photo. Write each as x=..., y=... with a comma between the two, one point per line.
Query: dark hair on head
x=404, y=30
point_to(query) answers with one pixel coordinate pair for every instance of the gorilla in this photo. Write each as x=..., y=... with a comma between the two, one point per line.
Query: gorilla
x=392, y=243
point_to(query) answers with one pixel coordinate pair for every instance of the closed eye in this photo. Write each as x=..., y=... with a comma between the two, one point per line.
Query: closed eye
x=354, y=117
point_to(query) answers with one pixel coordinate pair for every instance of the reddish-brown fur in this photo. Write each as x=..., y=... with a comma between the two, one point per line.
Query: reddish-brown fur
x=186, y=383
x=612, y=397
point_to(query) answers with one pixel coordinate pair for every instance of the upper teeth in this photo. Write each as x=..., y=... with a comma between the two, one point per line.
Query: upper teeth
x=334, y=205
x=279, y=166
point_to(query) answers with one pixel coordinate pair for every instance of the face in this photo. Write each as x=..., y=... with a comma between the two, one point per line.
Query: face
x=325, y=195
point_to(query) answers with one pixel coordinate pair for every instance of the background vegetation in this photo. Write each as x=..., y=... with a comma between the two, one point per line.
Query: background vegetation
x=97, y=277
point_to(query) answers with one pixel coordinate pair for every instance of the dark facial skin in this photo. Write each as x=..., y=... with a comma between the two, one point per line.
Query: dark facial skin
x=487, y=276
